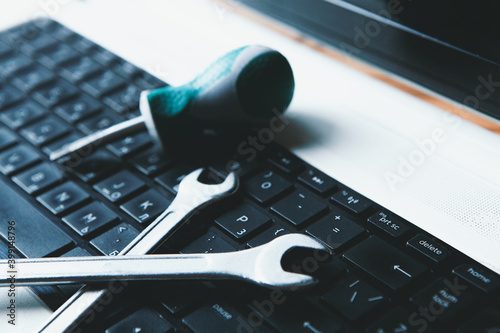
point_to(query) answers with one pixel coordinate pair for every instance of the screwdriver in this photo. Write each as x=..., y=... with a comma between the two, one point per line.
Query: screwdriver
x=245, y=86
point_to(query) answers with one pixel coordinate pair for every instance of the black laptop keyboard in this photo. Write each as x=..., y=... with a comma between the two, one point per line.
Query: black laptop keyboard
x=386, y=275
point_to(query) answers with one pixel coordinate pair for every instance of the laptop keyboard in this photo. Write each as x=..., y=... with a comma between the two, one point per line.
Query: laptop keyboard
x=386, y=275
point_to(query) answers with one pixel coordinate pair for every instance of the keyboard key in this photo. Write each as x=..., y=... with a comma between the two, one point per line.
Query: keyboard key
x=386, y=263
x=90, y=218
x=95, y=166
x=336, y=230
x=58, y=55
x=103, y=84
x=126, y=70
x=104, y=57
x=46, y=130
x=98, y=122
x=171, y=179
x=4, y=49
x=54, y=94
x=242, y=221
x=34, y=42
x=351, y=200
x=209, y=243
x=22, y=114
x=353, y=298
x=147, y=81
x=113, y=241
x=478, y=277
x=81, y=44
x=7, y=138
x=125, y=100
x=487, y=321
x=389, y=223
x=268, y=236
x=130, y=144
x=11, y=65
x=33, y=78
x=395, y=321
x=450, y=297
x=38, y=178
x=285, y=161
x=36, y=236
x=216, y=317
x=242, y=168
x=317, y=180
x=17, y=158
x=286, y=315
x=78, y=70
x=119, y=186
x=78, y=109
x=63, y=198
x=9, y=96
x=182, y=297
x=429, y=248
x=300, y=208
x=59, y=143
x=143, y=320
x=147, y=206
x=267, y=186
x=152, y=161
x=61, y=33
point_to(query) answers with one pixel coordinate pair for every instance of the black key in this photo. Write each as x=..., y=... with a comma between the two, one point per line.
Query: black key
x=104, y=57
x=9, y=96
x=287, y=315
x=428, y=247
x=318, y=181
x=46, y=130
x=394, y=322
x=354, y=298
x=94, y=166
x=182, y=297
x=386, y=263
x=119, y=186
x=267, y=186
x=130, y=144
x=7, y=138
x=81, y=44
x=11, y=65
x=22, y=114
x=335, y=230
x=113, y=241
x=389, y=223
x=34, y=42
x=35, y=235
x=90, y=218
x=285, y=161
x=78, y=109
x=147, y=206
x=78, y=70
x=126, y=70
x=147, y=81
x=242, y=221
x=63, y=198
x=58, y=55
x=487, y=321
x=4, y=49
x=240, y=167
x=99, y=122
x=300, y=208
x=171, y=179
x=351, y=200
x=33, y=78
x=17, y=158
x=209, y=243
x=38, y=178
x=61, y=33
x=478, y=277
x=59, y=143
x=444, y=299
x=103, y=84
x=143, y=320
x=217, y=317
x=152, y=161
x=125, y=100
x=54, y=93
x=268, y=236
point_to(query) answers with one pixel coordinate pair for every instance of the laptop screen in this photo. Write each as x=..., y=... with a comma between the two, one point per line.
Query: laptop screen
x=449, y=47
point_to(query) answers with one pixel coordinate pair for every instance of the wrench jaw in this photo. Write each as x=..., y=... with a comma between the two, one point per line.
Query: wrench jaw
x=268, y=270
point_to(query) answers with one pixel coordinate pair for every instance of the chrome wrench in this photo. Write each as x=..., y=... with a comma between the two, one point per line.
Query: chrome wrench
x=260, y=265
x=191, y=196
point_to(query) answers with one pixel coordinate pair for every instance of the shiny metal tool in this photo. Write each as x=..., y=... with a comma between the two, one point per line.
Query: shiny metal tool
x=260, y=265
x=192, y=196
x=246, y=86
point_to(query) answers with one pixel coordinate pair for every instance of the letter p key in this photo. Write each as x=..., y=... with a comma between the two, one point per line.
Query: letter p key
x=242, y=218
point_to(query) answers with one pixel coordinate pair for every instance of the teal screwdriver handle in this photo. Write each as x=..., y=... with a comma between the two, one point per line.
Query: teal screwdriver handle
x=245, y=86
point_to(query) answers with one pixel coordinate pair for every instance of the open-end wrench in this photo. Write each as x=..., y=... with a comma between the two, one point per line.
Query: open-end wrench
x=260, y=265
x=191, y=196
